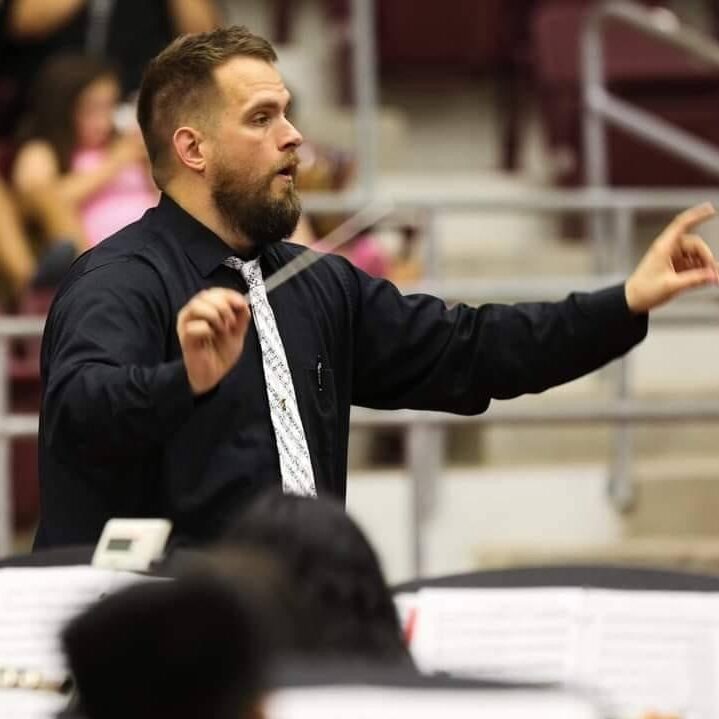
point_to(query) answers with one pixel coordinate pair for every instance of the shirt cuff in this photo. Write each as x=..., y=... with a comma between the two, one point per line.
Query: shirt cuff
x=609, y=306
x=171, y=392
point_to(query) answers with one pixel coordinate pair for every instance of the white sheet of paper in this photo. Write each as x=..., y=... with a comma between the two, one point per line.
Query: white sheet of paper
x=527, y=635
x=652, y=651
x=36, y=603
x=397, y=703
x=637, y=651
x=24, y=704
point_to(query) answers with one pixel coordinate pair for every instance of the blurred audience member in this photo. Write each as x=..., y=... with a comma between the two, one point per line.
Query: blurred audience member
x=189, y=649
x=364, y=251
x=18, y=264
x=322, y=169
x=129, y=33
x=341, y=599
x=16, y=258
x=325, y=169
x=71, y=144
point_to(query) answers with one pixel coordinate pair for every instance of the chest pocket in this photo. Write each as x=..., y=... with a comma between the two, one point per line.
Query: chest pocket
x=321, y=411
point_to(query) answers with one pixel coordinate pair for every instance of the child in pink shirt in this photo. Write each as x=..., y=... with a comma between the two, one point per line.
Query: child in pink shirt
x=73, y=145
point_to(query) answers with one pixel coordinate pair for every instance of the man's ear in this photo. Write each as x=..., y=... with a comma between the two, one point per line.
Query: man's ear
x=187, y=142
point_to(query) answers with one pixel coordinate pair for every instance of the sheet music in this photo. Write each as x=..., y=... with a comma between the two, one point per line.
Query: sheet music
x=637, y=651
x=25, y=704
x=394, y=703
x=652, y=651
x=35, y=604
x=527, y=635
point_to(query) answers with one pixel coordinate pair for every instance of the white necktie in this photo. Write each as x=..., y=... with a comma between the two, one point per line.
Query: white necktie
x=295, y=463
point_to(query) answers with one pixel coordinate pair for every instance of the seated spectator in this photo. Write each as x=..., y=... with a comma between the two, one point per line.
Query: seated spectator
x=72, y=146
x=365, y=252
x=341, y=600
x=128, y=33
x=15, y=256
x=188, y=649
x=325, y=169
x=17, y=259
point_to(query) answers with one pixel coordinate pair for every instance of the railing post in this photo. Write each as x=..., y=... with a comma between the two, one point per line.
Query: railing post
x=425, y=442
x=426, y=457
x=6, y=514
x=620, y=488
x=430, y=245
x=623, y=240
x=364, y=77
x=594, y=129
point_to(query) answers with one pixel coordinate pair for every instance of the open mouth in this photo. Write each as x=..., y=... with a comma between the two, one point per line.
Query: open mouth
x=290, y=172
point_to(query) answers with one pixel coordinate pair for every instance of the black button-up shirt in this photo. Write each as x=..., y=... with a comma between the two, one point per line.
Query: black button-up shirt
x=121, y=434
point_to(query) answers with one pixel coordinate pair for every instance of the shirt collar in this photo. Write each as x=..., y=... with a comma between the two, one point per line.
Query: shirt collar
x=204, y=248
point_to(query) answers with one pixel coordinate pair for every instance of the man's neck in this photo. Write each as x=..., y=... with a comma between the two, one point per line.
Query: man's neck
x=201, y=207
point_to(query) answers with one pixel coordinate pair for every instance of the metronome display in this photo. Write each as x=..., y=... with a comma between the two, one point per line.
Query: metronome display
x=119, y=544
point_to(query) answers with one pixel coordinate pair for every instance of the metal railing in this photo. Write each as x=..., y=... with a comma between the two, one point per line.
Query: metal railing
x=11, y=425
x=602, y=108
x=426, y=429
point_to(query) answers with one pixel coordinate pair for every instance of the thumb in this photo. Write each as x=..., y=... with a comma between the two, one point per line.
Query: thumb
x=682, y=281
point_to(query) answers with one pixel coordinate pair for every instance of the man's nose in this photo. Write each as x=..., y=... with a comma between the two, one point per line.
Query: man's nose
x=290, y=137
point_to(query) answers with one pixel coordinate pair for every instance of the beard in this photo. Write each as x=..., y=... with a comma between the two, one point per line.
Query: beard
x=251, y=209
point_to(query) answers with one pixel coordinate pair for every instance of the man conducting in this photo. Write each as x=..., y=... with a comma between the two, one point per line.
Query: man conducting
x=167, y=394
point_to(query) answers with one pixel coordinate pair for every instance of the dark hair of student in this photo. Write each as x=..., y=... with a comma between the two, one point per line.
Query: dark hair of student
x=342, y=600
x=186, y=649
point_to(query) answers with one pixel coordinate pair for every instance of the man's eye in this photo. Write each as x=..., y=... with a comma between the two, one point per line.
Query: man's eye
x=261, y=119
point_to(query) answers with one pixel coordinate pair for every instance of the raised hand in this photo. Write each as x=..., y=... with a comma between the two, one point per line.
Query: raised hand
x=212, y=327
x=675, y=262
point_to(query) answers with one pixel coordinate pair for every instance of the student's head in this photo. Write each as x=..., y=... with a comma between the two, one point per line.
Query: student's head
x=74, y=104
x=341, y=597
x=212, y=109
x=188, y=649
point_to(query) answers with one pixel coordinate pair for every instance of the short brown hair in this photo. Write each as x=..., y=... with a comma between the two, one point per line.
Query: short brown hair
x=179, y=82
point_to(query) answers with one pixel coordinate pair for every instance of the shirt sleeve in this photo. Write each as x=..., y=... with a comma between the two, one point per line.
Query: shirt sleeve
x=109, y=391
x=415, y=352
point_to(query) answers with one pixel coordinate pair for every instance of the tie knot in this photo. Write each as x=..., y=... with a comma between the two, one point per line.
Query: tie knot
x=251, y=270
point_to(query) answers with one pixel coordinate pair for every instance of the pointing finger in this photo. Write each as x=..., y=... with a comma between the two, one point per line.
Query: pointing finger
x=692, y=217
